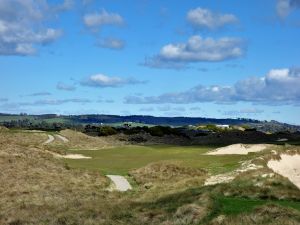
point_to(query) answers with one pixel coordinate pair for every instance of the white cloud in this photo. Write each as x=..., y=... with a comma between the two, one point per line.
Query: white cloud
x=147, y=109
x=22, y=26
x=3, y=99
x=112, y=43
x=167, y=108
x=285, y=7
x=196, y=108
x=280, y=86
x=204, y=18
x=43, y=93
x=198, y=49
x=242, y=112
x=55, y=102
x=101, y=81
x=97, y=20
x=65, y=87
x=65, y=5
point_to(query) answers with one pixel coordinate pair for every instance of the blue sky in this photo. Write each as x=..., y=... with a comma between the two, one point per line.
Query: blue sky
x=165, y=58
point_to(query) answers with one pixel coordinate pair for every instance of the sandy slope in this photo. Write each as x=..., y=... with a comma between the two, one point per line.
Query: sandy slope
x=120, y=182
x=227, y=177
x=50, y=139
x=64, y=139
x=239, y=149
x=288, y=166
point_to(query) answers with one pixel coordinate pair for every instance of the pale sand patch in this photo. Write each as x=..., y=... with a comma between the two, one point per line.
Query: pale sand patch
x=288, y=166
x=33, y=131
x=238, y=149
x=68, y=156
x=227, y=177
x=120, y=183
x=220, y=178
x=50, y=139
x=74, y=156
x=64, y=139
x=282, y=139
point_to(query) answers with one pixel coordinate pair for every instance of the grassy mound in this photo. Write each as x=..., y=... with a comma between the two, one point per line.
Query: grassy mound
x=158, y=172
x=78, y=140
x=269, y=214
x=36, y=188
x=3, y=129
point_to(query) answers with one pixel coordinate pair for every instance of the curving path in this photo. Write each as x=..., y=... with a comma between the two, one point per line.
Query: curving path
x=64, y=139
x=50, y=139
x=120, y=183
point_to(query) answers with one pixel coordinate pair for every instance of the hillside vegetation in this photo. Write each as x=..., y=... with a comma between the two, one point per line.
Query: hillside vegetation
x=38, y=188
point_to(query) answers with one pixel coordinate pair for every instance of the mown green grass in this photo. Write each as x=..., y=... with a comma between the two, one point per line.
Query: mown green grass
x=120, y=160
x=234, y=206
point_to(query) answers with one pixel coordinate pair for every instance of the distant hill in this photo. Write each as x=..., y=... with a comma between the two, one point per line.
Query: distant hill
x=266, y=126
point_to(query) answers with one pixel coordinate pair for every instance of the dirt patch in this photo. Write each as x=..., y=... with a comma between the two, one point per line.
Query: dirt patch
x=238, y=149
x=288, y=166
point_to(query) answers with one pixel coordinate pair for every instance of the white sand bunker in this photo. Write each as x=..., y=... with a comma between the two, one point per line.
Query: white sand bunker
x=282, y=139
x=120, y=183
x=288, y=166
x=238, y=149
x=72, y=156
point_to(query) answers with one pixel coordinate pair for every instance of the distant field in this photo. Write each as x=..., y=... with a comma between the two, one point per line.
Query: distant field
x=34, y=119
x=10, y=118
x=120, y=160
x=132, y=124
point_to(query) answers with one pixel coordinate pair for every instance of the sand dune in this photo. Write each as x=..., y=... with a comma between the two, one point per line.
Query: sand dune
x=239, y=149
x=288, y=166
x=64, y=139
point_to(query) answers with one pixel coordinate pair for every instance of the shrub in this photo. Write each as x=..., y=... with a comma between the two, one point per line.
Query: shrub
x=106, y=131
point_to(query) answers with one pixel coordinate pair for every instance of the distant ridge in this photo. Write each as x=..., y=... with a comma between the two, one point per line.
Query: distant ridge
x=140, y=120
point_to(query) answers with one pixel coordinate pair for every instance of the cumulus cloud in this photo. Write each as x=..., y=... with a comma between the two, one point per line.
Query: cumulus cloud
x=102, y=81
x=249, y=111
x=204, y=18
x=147, y=109
x=98, y=19
x=65, y=5
x=197, y=49
x=111, y=43
x=278, y=86
x=43, y=93
x=167, y=108
x=65, y=87
x=109, y=101
x=54, y=102
x=22, y=26
x=3, y=99
x=285, y=7
x=196, y=108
